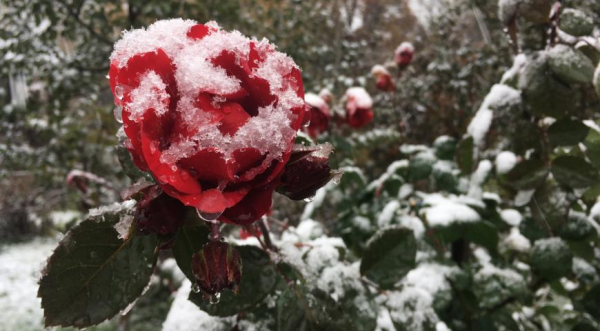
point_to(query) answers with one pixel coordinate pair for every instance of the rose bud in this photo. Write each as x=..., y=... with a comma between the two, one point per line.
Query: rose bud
x=404, y=54
x=319, y=114
x=157, y=212
x=216, y=267
x=358, y=107
x=210, y=114
x=307, y=171
x=326, y=95
x=384, y=79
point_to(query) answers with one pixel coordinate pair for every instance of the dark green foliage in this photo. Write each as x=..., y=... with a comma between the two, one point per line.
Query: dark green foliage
x=93, y=274
x=189, y=240
x=551, y=258
x=574, y=172
x=389, y=255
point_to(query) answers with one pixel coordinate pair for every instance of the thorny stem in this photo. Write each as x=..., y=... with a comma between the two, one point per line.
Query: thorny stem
x=265, y=233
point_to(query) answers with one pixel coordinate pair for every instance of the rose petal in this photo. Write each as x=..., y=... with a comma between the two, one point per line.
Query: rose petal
x=359, y=117
x=210, y=201
x=256, y=204
x=246, y=159
x=258, y=89
x=235, y=117
x=199, y=31
x=175, y=176
x=208, y=165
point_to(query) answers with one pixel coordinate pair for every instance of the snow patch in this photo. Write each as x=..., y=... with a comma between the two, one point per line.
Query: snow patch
x=505, y=161
x=500, y=95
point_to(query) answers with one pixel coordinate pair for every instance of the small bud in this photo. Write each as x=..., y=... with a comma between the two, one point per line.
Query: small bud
x=404, y=54
x=306, y=172
x=217, y=266
x=159, y=213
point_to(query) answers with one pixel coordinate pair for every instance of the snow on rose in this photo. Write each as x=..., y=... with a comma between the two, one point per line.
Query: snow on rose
x=211, y=114
x=384, y=81
x=404, y=54
x=359, y=106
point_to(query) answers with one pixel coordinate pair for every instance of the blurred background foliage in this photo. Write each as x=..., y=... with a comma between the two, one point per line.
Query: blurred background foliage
x=56, y=106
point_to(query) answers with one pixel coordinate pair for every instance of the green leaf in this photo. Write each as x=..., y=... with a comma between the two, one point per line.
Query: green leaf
x=590, y=196
x=444, y=177
x=258, y=280
x=574, y=172
x=592, y=145
x=420, y=166
x=392, y=185
x=591, y=302
x=445, y=148
x=570, y=64
x=582, y=249
x=533, y=230
x=541, y=91
x=526, y=175
x=389, y=256
x=464, y=155
x=93, y=274
x=189, y=240
x=576, y=22
x=291, y=312
x=577, y=227
x=567, y=132
x=549, y=205
x=483, y=233
x=551, y=258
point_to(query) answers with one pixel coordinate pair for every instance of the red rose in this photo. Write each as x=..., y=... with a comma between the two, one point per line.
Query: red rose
x=212, y=115
x=384, y=79
x=358, y=107
x=319, y=114
x=404, y=54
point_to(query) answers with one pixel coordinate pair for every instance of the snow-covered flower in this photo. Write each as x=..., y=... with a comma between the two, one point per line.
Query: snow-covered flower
x=359, y=106
x=211, y=114
x=384, y=81
x=404, y=54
